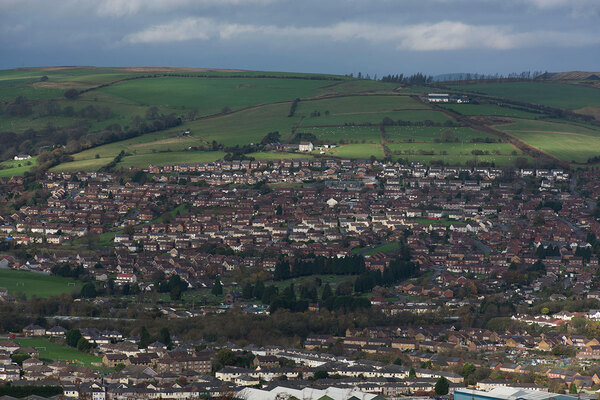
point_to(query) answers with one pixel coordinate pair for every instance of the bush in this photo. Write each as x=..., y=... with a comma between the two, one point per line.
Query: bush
x=72, y=94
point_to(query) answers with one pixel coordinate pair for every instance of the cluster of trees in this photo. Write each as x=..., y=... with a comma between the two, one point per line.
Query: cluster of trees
x=550, y=251
x=523, y=273
x=415, y=79
x=175, y=286
x=555, y=205
x=68, y=270
x=29, y=390
x=315, y=113
x=399, y=270
x=304, y=137
x=293, y=107
x=164, y=337
x=271, y=137
x=75, y=339
x=351, y=265
x=111, y=165
x=387, y=121
x=591, y=239
x=75, y=137
x=22, y=107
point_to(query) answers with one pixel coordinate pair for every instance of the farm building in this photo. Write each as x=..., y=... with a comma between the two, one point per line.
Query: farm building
x=438, y=97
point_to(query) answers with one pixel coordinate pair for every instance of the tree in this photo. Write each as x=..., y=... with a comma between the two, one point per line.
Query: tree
x=83, y=345
x=176, y=287
x=164, y=336
x=88, y=291
x=247, y=291
x=217, y=289
x=412, y=373
x=259, y=289
x=73, y=337
x=72, y=94
x=442, y=386
x=145, y=338
x=321, y=374
x=327, y=292
x=572, y=388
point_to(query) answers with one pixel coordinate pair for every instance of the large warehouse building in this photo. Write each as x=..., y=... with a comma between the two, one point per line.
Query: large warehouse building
x=508, y=393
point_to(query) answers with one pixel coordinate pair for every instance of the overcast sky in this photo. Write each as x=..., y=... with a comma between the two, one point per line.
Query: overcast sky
x=329, y=36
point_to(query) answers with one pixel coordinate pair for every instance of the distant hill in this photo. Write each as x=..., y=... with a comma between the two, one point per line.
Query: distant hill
x=113, y=118
x=571, y=76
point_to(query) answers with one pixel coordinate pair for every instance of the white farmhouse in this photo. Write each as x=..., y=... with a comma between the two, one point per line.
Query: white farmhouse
x=306, y=146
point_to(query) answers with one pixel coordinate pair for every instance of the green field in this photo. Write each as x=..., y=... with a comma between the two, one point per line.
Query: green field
x=357, y=151
x=490, y=109
x=346, y=134
x=55, y=352
x=431, y=134
x=36, y=284
x=559, y=95
x=15, y=168
x=568, y=142
x=272, y=155
x=210, y=95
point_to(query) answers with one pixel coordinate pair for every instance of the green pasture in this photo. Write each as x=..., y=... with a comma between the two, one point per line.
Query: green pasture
x=456, y=153
x=568, y=142
x=559, y=95
x=239, y=128
x=361, y=86
x=357, y=151
x=15, y=168
x=346, y=134
x=375, y=118
x=426, y=134
x=211, y=95
x=358, y=104
x=548, y=126
x=273, y=155
x=56, y=352
x=490, y=109
x=175, y=157
x=36, y=284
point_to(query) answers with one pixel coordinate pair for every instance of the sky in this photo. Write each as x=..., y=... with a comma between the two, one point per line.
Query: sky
x=324, y=36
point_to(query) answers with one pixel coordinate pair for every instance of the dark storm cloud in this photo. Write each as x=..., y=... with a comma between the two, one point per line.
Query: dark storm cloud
x=382, y=36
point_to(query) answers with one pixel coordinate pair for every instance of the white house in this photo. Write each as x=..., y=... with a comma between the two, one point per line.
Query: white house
x=21, y=157
x=126, y=278
x=306, y=146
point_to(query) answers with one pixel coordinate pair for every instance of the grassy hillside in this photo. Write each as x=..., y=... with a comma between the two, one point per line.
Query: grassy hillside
x=143, y=112
x=565, y=141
